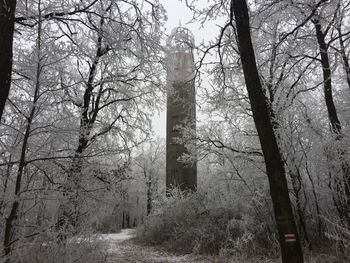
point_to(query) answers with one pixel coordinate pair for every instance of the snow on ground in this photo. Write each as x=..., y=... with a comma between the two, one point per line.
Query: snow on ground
x=120, y=248
x=125, y=234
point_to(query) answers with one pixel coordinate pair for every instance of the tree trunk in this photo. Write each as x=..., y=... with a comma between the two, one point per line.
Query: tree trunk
x=7, y=22
x=149, y=196
x=295, y=176
x=342, y=199
x=14, y=210
x=327, y=78
x=10, y=220
x=300, y=206
x=69, y=213
x=320, y=226
x=288, y=234
x=344, y=56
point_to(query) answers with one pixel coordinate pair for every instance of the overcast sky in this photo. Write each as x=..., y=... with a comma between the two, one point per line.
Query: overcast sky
x=177, y=11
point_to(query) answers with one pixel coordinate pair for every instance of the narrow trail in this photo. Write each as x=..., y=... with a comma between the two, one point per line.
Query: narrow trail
x=120, y=248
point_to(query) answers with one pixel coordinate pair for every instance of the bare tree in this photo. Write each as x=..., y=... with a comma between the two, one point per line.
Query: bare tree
x=12, y=217
x=290, y=247
x=82, y=99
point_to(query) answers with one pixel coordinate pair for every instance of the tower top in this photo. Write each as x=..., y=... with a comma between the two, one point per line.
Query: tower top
x=181, y=39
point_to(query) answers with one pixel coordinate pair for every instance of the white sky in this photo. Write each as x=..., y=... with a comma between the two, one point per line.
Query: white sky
x=178, y=12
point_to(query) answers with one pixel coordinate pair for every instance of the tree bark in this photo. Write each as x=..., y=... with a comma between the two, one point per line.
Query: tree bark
x=288, y=234
x=7, y=22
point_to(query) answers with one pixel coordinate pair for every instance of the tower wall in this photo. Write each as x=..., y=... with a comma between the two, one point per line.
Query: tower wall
x=181, y=112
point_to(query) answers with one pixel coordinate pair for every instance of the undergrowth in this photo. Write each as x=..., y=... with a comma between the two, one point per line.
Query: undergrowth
x=205, y=222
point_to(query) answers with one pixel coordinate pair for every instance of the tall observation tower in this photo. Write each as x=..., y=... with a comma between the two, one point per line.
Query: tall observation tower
x=181, y=108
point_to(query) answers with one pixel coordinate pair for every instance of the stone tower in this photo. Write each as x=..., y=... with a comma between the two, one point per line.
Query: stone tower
x=181, y=108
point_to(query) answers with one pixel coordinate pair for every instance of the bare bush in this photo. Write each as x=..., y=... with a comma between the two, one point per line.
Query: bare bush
x=76, y=250
x=203, y=222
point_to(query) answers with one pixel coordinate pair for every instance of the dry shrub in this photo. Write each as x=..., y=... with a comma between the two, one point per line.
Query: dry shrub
x=77, y=250
x=202, y=222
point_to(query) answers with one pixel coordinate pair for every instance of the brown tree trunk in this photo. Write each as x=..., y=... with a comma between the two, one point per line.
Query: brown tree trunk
x=7, y=22
x=288, y=234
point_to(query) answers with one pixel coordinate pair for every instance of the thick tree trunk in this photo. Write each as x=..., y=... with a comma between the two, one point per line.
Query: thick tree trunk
x=7, y=21
x=288, y=234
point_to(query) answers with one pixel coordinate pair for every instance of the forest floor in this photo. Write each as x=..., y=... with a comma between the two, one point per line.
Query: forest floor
x=121, y=247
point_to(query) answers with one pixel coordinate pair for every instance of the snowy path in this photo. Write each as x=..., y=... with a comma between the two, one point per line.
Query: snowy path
x=121, y=249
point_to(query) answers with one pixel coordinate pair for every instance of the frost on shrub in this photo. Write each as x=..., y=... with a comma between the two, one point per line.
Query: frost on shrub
x=77, y=250
x=201, y=222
